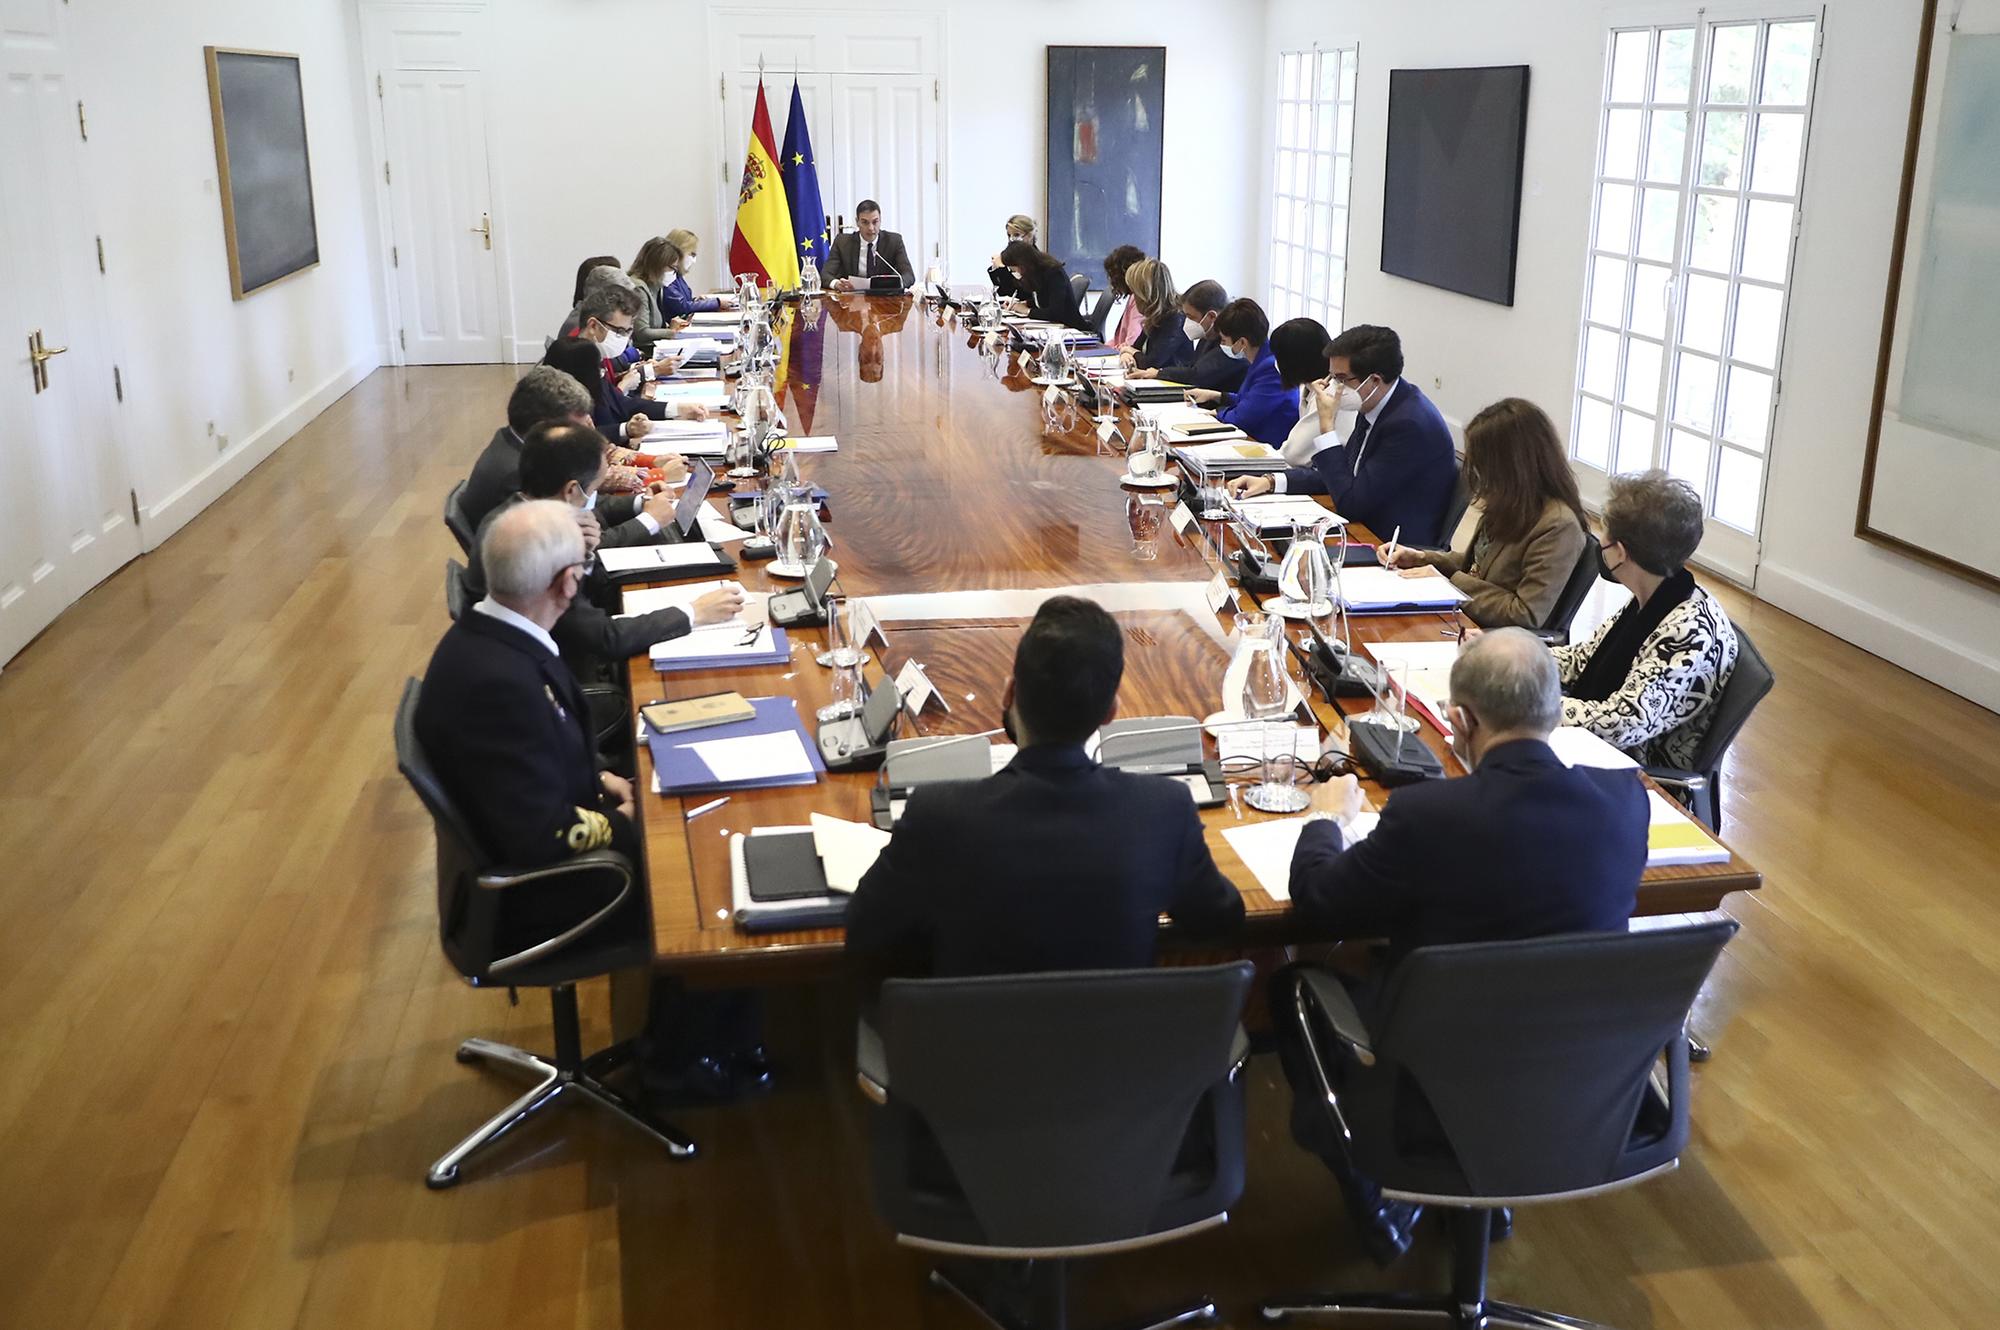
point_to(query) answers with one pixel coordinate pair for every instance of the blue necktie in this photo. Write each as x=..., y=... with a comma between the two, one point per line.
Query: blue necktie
x=1354, y=444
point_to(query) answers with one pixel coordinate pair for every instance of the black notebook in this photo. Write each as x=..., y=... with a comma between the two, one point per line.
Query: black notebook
x=783, y=867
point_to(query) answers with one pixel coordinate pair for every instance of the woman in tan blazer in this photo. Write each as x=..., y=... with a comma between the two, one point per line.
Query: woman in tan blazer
x=1531, y=529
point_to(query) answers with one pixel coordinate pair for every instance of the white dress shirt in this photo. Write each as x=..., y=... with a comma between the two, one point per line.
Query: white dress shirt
x=1331, y=438
x=493, y=609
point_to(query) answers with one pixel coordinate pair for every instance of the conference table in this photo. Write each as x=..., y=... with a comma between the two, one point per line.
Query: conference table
x=957, y=499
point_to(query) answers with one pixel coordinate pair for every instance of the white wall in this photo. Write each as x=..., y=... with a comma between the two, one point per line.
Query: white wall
x=1468, y=352
x=258, y=368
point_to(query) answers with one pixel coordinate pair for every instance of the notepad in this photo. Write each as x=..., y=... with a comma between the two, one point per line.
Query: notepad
x=1580, y=748
x=1375, y=590
x=810, y=443
x=756, y=604
x=1266, y=848
x=754, y=757
x=1672, y=837
x=645, y=558
x=722, y=644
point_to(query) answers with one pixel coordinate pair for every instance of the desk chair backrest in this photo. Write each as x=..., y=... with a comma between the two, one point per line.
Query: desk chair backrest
x=1748, y=682
x=1060, y=1101
x=1455, y=507
x=457, y=594
x=1079, y=286
x=464, y=928
x=457, y=520
x=1581, y=579
x=1536, y=1056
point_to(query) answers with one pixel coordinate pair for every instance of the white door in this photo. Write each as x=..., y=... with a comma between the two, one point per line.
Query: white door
x=67, y=511
x=882, y=144
x=432, y=96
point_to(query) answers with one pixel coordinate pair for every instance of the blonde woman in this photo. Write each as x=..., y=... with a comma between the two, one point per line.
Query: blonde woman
x=1019, y=227
x=677, y=300
x=1162, y=339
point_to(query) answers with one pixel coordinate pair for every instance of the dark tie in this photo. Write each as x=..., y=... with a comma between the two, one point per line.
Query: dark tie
x=868, y=264
x=1355, y=442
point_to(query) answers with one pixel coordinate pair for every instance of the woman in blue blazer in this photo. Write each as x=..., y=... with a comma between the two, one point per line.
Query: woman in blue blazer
x=1264, y=408
x=677, y=299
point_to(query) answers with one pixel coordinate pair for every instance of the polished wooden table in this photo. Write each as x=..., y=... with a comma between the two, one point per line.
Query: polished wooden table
x=951, y=477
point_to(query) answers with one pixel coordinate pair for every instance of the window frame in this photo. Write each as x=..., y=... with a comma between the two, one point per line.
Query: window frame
x=1292, y=287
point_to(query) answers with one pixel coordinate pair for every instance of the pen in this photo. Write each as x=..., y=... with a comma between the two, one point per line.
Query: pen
x=708, y=807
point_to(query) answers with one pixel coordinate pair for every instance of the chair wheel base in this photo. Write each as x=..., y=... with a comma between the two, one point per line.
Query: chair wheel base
x=440, y=1179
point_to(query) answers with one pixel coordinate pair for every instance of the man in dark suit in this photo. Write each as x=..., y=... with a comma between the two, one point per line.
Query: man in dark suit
x=1055, y=863
x=1522, y=847
x=1398, y=467
x=504, y=720
x=1209, y=367
x=542, y=394
x=867, y=252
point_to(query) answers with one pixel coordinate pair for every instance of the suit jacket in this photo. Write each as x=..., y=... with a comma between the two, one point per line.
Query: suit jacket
x=1263, y=407
x=1017, y=873
x=616, y=535
x=1003, y=281
x=1522, y=847
x=651, y=323
x=678, y=300
x=1208, y=367
x=506, y=725
x=1050, y=298
x=1166, y=343
x=1408, y=468
x=1515, y=582
x=844, y=259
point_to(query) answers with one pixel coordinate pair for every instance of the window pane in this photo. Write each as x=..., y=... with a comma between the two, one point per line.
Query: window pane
x=1299, y=265
x=1343, y=137
x=1694, y=392
x=1322, y=181
x=1337, y=241
x=1671, y=79
x=1755, y=337
x=1318, y=275
x=1635, y=441
x=1776, y=167
x=1722, y=149
x=1323, y=135
x=1347, y=76
x=1656, y=224
x=1621, y=144
x=1746, y=408
x=1787, y=63
x=1301, y=174
x=1649, y=303
x=1289, y=79
x=1714, y=239
x=1322, y=227
x=1593, y=433
x=1701, y=326
x=1628, y=66
x=1343, y=175
x=1736, y=483
x=1767, y=240
x=1282, y=175
x=1607, y=291
x=1666, y=146
x=1614, y=218
x=1600, y=362
x=1642, y=374
x=1329, y=75
x=1730, y=52
x=1687, y=458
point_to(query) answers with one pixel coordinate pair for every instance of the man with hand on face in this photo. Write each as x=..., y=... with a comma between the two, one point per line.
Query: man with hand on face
x=1522, y=847
x=1016, y=873
x=867, y=252
x=1396, y=470
x=1210, y=366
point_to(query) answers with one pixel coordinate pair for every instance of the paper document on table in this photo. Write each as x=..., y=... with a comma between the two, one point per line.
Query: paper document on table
x=1672, y=837
x=1266, y=848
x=847, y=850
x=634, y=558
x=809, y=443
x=754, y=756
x=717, y=641
x=651, y=599
x=714, y=318
x=692, y=346
x=1428, y=677
x=1384, y=588
x=1232, y=452
x=709, y=392
x=686, y=429
x=1268, y=512
x=719, y=530
x=1247, y=742
x=1580, y=748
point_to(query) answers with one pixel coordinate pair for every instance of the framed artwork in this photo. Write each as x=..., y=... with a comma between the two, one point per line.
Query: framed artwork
x=1106, y=152
x=263, y=169
x=1932, y=467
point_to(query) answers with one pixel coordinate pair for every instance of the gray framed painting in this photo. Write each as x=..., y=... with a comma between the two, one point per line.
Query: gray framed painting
x=1106, y=152
x=258, y=106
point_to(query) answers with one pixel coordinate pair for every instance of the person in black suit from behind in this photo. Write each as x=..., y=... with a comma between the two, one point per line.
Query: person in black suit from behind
x=1522, y=847
x=1056, y=862
x=503, y=719
x=1207, y=366
x=1043, y=282
x=544, y=393
x=565, y=461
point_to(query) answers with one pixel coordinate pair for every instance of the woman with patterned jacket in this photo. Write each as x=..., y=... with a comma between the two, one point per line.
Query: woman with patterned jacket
x=1647, y=680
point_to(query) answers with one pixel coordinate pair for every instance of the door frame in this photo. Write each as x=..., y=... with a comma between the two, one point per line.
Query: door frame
x=473, y=19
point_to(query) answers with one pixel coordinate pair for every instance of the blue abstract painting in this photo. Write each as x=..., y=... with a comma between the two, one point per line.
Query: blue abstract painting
x=1106, y=153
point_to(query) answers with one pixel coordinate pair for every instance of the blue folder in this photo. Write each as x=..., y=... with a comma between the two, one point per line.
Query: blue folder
x=779, y=652
x=682, y=772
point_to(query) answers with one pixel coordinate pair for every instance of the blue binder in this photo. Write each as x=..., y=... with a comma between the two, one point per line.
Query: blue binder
x=778, y=653
x=682, y=772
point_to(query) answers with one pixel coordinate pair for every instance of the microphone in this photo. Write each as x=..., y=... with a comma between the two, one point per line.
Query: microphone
x=914, y=747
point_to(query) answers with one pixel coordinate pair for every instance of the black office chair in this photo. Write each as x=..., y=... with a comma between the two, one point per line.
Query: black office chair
x=1079, y=285
x=457, y=520
x=1033, y=1119
x=1454, y=508
x=532, y=928
x=1699, y=784
x=1503, y=1074
x=457, y=595
x=1555, y=629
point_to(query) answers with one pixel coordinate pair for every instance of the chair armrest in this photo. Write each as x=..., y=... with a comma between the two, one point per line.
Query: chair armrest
x=1239, y=1051
x=1552, y=637
x=1674, y=778
x=595, y=866
x=871, y=1063
x=1310, y=990
x=1337, y=1006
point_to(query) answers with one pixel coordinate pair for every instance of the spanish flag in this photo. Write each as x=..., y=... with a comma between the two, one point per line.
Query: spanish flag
x=763, y=243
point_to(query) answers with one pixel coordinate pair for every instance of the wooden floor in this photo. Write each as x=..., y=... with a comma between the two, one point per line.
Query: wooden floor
x=228, y=1033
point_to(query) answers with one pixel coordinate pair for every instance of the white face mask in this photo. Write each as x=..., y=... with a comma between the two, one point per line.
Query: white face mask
x=614, y=343
x=1344, y=397
x=590, y=501
x=1192, y=327
x=686, y=265
x=1229, y=349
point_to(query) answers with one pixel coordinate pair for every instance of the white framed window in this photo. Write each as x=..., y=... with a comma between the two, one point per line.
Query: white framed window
x=1310, y=181
x=1701, y=158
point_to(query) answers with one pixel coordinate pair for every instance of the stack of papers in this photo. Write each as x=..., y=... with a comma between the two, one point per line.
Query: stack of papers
x=1233, y=456
x=1672, y=837
x=756, y=604
x=1384, y=590
x=662, y=559
x=1427, y=676
x=719, y=530
x=1278, y=512
x=1266, y=848
x=769, y=750
x=1581, y=748
x=721, y=645
x=694, y=344
x=715, y=318
x=709, y=392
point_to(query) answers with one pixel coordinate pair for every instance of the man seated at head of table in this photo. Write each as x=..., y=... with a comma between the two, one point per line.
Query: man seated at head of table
x=1531, y=530
x=1056, y=862
x=604, y=330
x=1207, y=366
x=565, y=462
x=1522, y=847
x=1262, y=407
x=547, y=395
x=860, y=257
x=1648, y=679
x=1396, y=470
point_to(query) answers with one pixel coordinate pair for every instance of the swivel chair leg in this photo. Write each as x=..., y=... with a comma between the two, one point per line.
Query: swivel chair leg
x=1698, y=1051
x=445, y=1171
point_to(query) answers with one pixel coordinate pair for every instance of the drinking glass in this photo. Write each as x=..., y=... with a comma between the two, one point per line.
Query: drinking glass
x=1266, y=693
x=842, y=651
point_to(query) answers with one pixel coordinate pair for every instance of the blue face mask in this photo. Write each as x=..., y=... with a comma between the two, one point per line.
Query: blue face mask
x=1229, y=349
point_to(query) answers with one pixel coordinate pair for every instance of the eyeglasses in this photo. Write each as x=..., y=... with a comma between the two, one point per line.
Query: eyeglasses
x=1350, y=380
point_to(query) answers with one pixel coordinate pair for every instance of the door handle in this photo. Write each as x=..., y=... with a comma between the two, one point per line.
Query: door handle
x=484, y=230
x=39, y=357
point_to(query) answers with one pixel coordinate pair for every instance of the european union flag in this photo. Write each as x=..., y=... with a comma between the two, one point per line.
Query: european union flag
x=801, y=176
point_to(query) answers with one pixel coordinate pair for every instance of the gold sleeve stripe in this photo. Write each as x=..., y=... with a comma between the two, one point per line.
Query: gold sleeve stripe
x=590, y=831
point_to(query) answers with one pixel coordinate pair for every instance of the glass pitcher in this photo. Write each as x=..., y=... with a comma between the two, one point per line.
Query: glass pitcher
x=1305, y=578
x=809, y=277
x=1055, y=359
x=801, y=539
x=1263, y=693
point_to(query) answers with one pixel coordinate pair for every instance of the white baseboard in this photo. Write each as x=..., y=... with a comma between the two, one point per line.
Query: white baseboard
x=1873, y=628
x=528, y=351
x=161, y=520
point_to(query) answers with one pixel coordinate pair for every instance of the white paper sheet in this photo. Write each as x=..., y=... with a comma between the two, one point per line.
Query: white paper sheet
x=754, y=756
x=811, y=443
x=1266, y=848
x=720, y=640
x=1580, y=748
x=719, y=530
x=1384, y=588
x=632, y=558
x=847, y=850
x=756, y=604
